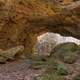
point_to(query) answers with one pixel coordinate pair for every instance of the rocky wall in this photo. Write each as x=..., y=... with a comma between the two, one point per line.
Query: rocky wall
x=21, y=21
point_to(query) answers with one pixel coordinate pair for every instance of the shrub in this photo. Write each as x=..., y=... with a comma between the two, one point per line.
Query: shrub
x=66, y=52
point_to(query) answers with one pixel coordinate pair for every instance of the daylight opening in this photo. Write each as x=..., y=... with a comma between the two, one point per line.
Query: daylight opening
x=47, y=41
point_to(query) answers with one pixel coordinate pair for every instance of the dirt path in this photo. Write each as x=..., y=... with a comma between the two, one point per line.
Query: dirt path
x=21, y=70
x=18, y=70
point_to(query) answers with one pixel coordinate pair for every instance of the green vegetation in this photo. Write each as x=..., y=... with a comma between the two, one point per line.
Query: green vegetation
x=62, y=69
x=53, y=69
x=67, y=52
x=55, y=65
x=38, y=62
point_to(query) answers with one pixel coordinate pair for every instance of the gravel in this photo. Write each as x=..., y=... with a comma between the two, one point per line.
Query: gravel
x=18, y=70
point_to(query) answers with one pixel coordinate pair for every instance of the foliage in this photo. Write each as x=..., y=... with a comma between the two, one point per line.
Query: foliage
x=38, y=62
x=66, y=52
x=53, y=69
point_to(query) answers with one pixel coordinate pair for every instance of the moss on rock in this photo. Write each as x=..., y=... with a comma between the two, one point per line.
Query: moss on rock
x=66, y=52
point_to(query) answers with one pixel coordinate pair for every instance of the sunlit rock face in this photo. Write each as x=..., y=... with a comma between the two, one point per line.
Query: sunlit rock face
x=48, y=41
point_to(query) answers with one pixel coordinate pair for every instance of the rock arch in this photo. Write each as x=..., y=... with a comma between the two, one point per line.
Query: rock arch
x=21, y=21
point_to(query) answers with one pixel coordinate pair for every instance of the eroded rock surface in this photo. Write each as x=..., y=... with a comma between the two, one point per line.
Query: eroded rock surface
x=48, y=41
x=21, y=21
x=10, y=53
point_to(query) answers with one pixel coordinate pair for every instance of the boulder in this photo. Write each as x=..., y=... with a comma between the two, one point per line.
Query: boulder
x=10, y=53
x=66, y=52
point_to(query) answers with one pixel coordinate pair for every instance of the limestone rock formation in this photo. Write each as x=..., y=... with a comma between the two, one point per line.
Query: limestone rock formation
x=21, y=21
x=10, y=53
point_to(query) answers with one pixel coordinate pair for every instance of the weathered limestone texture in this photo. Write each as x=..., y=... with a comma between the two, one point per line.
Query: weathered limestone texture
x=21, y=21
x=10, y=53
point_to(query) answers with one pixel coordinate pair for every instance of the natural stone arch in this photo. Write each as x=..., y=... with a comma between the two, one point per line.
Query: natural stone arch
x=22, y=21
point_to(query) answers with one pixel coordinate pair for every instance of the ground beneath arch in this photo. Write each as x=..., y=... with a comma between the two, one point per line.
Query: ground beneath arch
x=21, y=70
